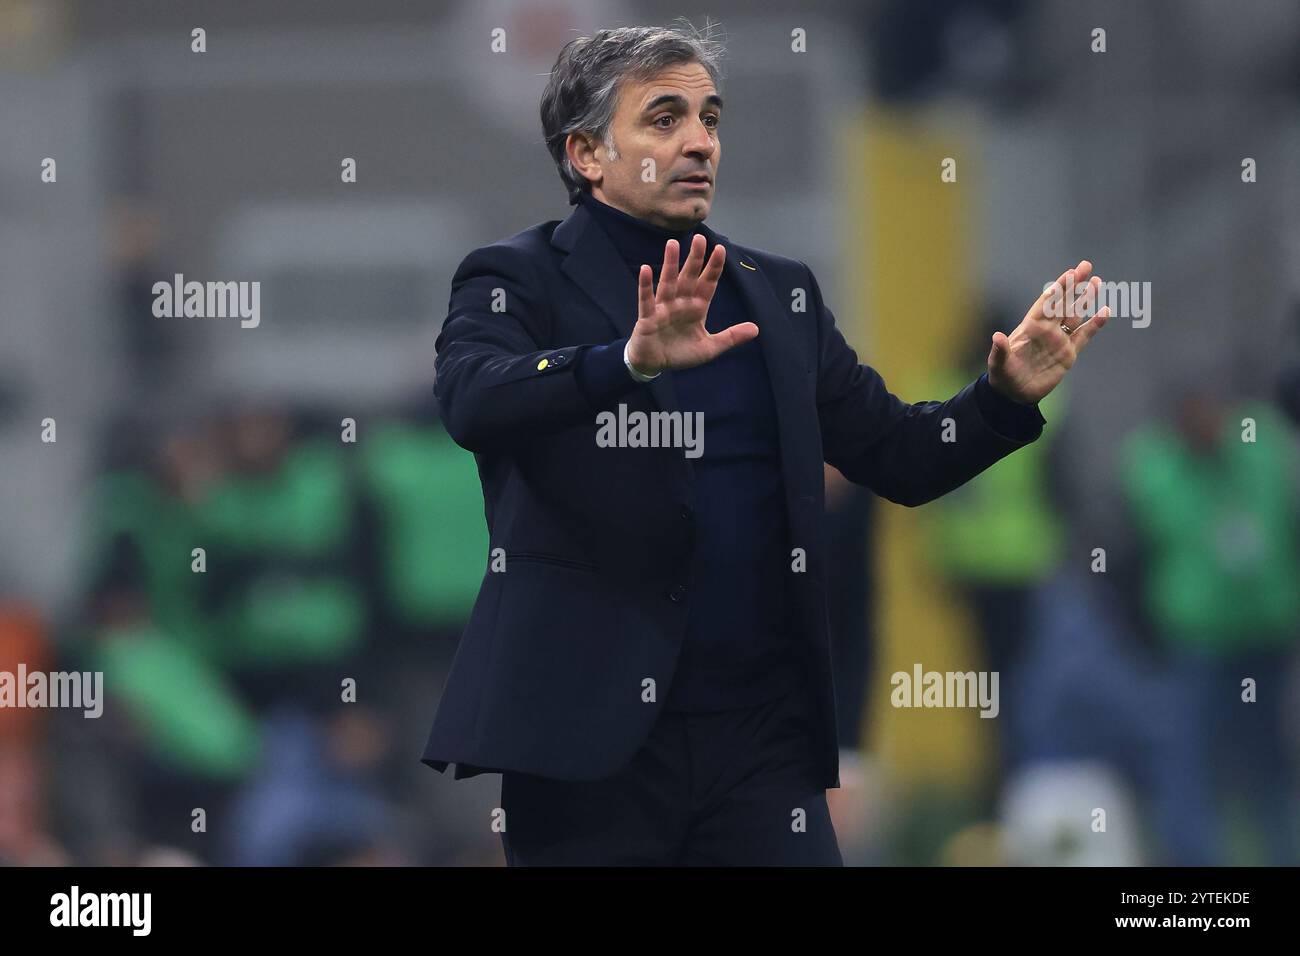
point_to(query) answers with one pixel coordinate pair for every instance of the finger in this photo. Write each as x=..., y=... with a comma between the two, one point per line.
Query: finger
x=1084, y=333
x=690, y=273
x=1076, y=287
x=729, y=338
x=1070, y=297
x=711, y=273
x=668, y=273
x=1058, y=281
x=645, y=292
x=1000, y=350
x=1085, y=301
x=1059, y=298
x=1051, y=303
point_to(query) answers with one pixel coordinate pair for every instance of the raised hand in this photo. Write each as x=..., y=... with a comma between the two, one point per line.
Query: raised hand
x=1033, y=359
x=669, y=331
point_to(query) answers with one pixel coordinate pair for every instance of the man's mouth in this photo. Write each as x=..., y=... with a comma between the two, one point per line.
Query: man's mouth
x=696, y=181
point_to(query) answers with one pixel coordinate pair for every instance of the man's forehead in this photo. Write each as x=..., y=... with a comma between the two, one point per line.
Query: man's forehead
x=689, y=80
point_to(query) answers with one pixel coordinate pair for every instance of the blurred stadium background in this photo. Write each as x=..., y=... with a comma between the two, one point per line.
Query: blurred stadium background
x=328, y=560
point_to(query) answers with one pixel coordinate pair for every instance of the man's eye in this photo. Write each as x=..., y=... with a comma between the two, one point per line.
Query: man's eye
x=664, y=117
x=712, y=121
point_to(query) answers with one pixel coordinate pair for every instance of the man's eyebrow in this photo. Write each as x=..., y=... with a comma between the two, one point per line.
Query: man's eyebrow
x=679, y=101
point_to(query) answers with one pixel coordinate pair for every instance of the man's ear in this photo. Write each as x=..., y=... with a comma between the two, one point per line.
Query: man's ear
x=581, y=150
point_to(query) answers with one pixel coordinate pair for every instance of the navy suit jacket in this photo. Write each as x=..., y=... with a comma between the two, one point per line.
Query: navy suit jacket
x=568, y=654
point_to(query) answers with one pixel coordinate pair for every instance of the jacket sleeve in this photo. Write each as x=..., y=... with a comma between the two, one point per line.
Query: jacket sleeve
x=496, y=378
x=908, y=453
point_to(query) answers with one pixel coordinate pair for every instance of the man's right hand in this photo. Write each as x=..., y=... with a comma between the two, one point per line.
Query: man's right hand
x=669, y=331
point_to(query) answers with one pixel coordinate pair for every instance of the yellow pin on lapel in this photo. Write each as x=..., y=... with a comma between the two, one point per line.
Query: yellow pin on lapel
x=748, y=266
x=542, y=364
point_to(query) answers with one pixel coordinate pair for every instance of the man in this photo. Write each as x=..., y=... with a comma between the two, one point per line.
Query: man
x=647, y=663
x=1216, y=519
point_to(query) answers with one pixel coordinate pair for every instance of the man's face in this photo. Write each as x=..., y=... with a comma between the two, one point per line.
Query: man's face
x=1200, y=419
x=672, y=121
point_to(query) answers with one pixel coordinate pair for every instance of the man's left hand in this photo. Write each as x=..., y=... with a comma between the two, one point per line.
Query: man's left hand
x=1033, y=359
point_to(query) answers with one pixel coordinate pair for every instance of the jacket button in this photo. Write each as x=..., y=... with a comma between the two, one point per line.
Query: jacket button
x=686, y=514
x=677, y=594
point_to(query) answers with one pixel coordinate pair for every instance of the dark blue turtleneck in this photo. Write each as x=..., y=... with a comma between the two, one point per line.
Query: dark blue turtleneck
x=739, y=647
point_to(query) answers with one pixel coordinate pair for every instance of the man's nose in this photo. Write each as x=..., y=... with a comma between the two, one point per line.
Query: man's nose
x=699, y=143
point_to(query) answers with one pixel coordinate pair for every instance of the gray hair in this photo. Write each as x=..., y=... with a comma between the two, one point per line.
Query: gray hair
x=582, y=92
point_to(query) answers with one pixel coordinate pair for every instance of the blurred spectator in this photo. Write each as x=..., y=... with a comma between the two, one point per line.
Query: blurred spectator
x=188, y=736
x=278, y=529
x=25, y=839
x=429, y=544
x=304, y=806
x=1216, y=511
x=1093, y=700
x=323, y=561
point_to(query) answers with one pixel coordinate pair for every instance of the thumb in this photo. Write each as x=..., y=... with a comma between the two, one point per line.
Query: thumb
x=730, y=337
x=1000, y=350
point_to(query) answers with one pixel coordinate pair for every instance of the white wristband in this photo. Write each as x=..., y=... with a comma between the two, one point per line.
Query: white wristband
x=633, y=372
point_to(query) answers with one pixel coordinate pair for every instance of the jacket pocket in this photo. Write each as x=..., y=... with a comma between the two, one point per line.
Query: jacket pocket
x=555, y=559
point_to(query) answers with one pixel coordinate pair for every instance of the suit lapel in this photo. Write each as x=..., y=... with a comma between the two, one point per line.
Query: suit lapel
x=792, y=386
x=598, y=271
